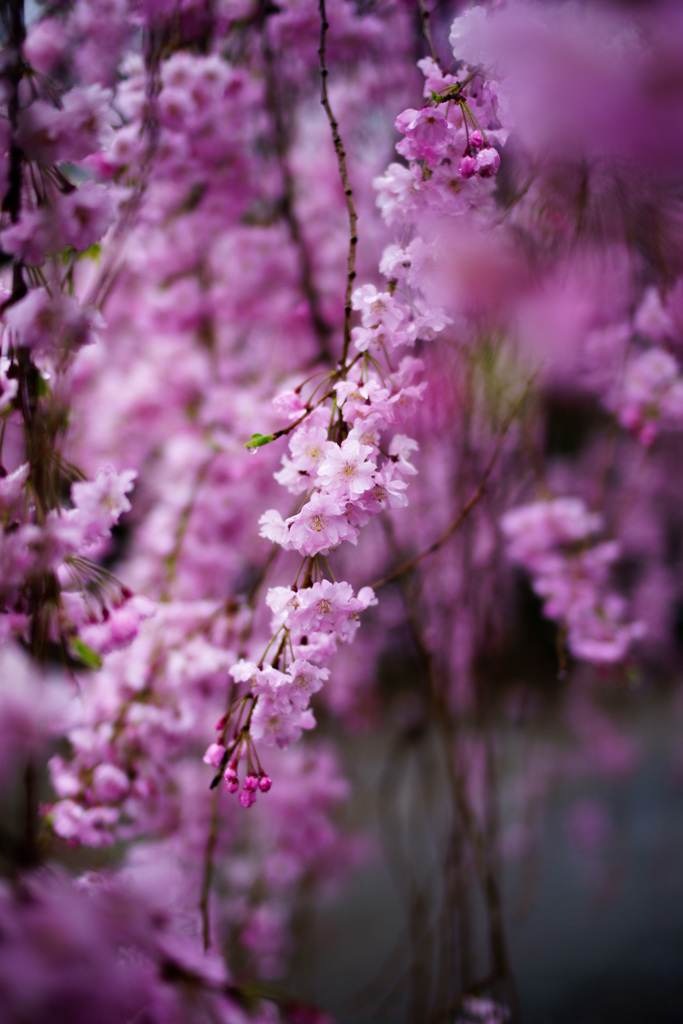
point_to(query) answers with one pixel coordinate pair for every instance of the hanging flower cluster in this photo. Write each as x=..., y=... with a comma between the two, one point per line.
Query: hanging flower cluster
x=183, y=229
x=553, y=540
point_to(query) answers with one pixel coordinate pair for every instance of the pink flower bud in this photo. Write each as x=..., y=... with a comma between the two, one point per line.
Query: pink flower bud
x=264, y=783
x=214, y=755
x=476, y=139
x=488, y=162
x=246, y=798
x=231, y=784
x=467, y=166
x=251, y=783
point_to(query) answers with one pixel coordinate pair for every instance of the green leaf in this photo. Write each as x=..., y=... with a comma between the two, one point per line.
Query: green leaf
x=92, y=253
x=258, y=440
x=85, y=654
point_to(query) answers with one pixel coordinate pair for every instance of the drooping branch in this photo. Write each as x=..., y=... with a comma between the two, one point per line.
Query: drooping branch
x=478, y=836
x=15, y=30
x=207, y=871
x=426, y=30
x=473, y=500
x=321, y=327
x=346, y=184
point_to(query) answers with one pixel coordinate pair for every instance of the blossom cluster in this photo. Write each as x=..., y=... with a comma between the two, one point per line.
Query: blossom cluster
x=452, y=156
x=340, y=454
x=554, y=540
x=336, y=456
x=652, y=394
x=55, y=522
x=83, y=974
x=124, y=353
x=183, y=228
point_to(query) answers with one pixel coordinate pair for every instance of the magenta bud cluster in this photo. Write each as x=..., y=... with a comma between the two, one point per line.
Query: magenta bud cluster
x=251, y=785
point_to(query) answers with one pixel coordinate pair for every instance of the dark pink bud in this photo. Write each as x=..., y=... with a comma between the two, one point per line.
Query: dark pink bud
x=251, y=783
x=476, y=139
x=488, y=162
x=467, y=167
x=246, y=798
x=231, y=771
x=264, y=783
x=231, y=784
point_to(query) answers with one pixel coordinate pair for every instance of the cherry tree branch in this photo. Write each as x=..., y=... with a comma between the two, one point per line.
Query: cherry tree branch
x=321, y=327
x=207, y=872
x=344, y=175
x=426, y=31
x=473, y=500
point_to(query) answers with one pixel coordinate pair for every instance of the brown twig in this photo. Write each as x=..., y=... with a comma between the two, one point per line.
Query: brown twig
x=281, y=138
x=469, y=504
x=183, y=524
x=426, y=31
x=484, y=863
x=207, y=875
x=13, y=21
x=344, y=175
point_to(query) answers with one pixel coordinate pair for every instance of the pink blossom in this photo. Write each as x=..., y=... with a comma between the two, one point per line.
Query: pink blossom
x=274, y=725
x=533, y=529
x=487, y=162
x=120, y=626
x=31, y=237
x=214, y=755
x=377, y=307
x=274, y=527
x=290, y=404
x=401, y=448
x=54, y=325
x=320, y=526
x=306, y=679
x=85, y=214
x=109, y=783
x=45, y=44
x=346, y=469
x=388, y=491
x=12, y=486
x=101, y=502
x=435, y=79
x=427, y=132
x=651, y=394
x=307, y=448
x=400, y=191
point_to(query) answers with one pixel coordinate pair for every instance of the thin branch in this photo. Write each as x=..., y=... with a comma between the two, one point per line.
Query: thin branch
x=15, y=30
x=343, y=173
x=182, y=526
x=321, y=327
x=473, y=500
x=155, y=41
x=484, y=864
x=207, y=874
x=426, y=31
